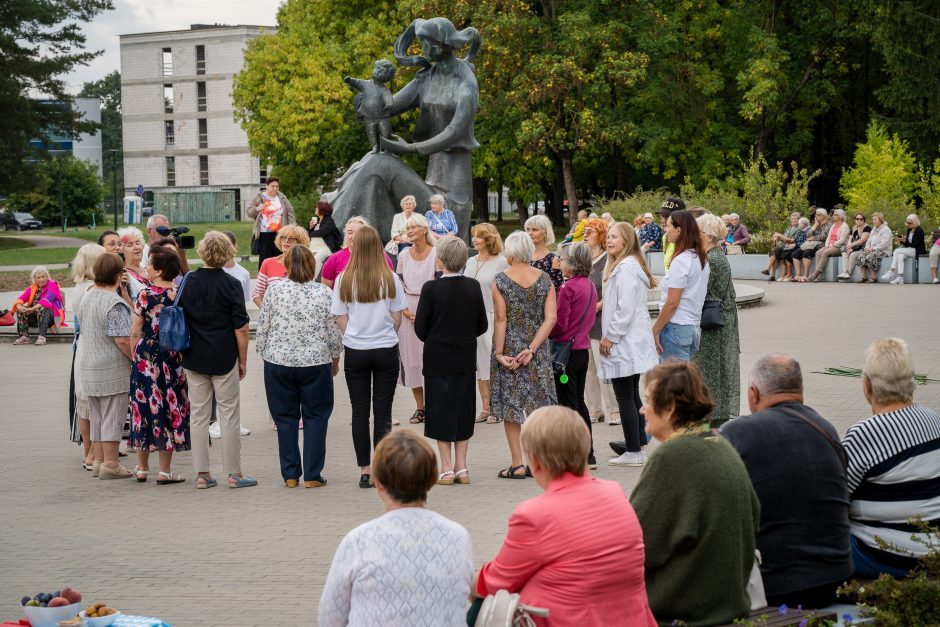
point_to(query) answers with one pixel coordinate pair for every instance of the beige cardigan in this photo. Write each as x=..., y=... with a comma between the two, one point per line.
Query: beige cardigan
x=254, y=211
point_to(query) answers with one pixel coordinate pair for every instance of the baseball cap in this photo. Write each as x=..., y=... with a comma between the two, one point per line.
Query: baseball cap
x=671, y=204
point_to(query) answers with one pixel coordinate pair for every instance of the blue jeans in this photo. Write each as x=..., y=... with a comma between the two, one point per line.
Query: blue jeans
x=296, y=393
x=867, y=565
x=679, y=341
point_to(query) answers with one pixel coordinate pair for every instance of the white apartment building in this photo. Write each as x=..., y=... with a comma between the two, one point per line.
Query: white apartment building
x=181, y=141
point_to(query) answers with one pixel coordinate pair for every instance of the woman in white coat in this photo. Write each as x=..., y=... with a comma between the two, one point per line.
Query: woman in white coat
x=627, y=348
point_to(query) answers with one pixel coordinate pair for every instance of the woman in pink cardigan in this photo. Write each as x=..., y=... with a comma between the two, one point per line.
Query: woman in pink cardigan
x=41, y=305
x=559, y=553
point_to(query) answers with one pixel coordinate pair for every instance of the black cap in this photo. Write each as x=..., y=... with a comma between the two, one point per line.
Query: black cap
x=673, y=203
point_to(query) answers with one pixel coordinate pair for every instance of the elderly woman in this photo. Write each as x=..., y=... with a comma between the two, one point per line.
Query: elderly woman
x=854, y=247
x=368, y=301
x=599, y=396
x=270, y=210
x=577, y=309
x=650, y=234
x=111, y=241
x=835, y=242
x=399, y=232
x=909, y=246
x=388, y=558
x=676, y=331
x=934, y=260
x=134, y=270
x=338, y=261
x=41, y=305
x=791, y=254
x=782, y=243
x=159, y=403
x=217, y=357
x=626, y=347
x=737, y=233
x=299, y=340
x=816, y=238
x=876, y=248
x=84, y=276
x=559, y=553
x=103, y=361
x=417, y=265
x=525, y=312
x=273, y=269
x=450, y=317
x=324, y=227
x=483, y=268
x=696, y=505
x=718, y=356
x=441, y=221
x=539, y=230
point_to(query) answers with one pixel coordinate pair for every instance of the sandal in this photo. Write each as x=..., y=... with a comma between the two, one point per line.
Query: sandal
x=241, y=481
x=483, y=416
x=23, y=339
x=493, y=420
x=462, y=476
x=88, y=466
x=141, y=474
x=204, y=482
x=40, y=341
x=510, y=473
x=166, y=478
x=417, y=417
x=446, y=478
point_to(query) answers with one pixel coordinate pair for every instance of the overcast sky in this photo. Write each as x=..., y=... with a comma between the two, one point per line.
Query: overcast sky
x=144, y=16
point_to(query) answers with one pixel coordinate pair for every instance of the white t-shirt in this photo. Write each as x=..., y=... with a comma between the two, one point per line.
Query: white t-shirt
x=370, y=325
x=686, y=272
x=243, y=276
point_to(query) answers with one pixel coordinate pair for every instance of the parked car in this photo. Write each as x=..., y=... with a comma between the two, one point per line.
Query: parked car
x=20, y=221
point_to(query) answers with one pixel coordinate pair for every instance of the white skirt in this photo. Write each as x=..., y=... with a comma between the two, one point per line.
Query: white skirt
x=485, y=349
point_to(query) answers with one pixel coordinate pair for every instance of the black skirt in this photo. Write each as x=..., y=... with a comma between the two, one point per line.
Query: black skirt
x=450, y=406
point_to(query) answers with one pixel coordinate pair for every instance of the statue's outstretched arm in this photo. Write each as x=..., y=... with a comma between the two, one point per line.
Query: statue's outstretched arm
x=355, y=83
x=458, y=127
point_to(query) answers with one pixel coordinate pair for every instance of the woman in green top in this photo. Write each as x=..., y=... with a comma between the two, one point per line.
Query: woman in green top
x=696, y=506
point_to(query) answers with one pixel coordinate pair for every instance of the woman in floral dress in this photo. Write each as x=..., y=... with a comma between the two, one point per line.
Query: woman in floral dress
x=159, y=400
x=522, y=379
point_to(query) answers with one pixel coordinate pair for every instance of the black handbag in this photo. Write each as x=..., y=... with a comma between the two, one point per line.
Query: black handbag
x=255, y=245
x=561, y=351
x=712, y=315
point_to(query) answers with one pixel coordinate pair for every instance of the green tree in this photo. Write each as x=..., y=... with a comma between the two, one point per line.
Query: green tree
x=883, y=177
x=40, y=41
x=108, y=89
x=80, y=187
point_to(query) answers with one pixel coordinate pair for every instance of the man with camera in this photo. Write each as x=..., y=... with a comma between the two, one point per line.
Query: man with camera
x=154, y=222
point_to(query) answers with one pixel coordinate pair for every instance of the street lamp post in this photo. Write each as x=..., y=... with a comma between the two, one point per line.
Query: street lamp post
x=59, y=181
x=114, y=152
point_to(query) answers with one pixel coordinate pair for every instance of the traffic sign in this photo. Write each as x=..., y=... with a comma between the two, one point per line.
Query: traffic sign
x=140, y=190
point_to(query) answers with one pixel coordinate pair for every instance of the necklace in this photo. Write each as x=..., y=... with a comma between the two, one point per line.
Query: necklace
x=480, y=265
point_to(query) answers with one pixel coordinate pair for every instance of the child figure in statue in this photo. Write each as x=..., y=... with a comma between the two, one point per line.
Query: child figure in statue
x=374, y=101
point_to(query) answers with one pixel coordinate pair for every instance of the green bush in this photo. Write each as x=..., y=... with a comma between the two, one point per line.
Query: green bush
x=81, y=192
x=626, y=207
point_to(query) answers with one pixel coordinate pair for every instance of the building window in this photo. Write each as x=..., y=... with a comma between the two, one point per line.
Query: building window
x=264, y=176
x=170, y=171
x=203, y=170
x=200, y=96
x=169, y=133
x=200, y=59
x=203, y=133
x=167, y=62
x=168, y=98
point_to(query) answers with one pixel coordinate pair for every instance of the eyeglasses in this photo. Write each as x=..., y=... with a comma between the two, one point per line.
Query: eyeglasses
x=859, y=218
x=289, y=239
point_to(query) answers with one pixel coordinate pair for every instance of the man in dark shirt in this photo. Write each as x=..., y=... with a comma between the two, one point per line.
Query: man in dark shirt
x=797, y=466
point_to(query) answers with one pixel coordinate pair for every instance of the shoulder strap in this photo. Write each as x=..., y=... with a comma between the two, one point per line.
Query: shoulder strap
x=836, y=446
x=179, y=292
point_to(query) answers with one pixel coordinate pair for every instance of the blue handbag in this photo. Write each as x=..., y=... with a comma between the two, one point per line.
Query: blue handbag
x=174, y=332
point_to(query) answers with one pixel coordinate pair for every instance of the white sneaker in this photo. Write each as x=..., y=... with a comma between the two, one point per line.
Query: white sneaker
x=843, y=276
x=898, y=281
x=890, y=275
x=215, y=431
x=935, y=281
x=627, y=459
x=643, y=454
x=245, y=431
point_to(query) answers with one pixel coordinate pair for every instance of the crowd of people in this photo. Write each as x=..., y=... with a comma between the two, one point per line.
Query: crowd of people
x=553, y=341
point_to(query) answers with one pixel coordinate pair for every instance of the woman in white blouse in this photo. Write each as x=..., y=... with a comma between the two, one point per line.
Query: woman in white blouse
x=876, y=248
x=410, y=566
x=484, y=266
x=299, y=341
x=399, y=231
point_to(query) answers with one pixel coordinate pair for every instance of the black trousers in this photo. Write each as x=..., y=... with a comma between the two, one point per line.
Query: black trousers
x=266, y=247
x=371, y=376
x=627, y=392
x=571, y=394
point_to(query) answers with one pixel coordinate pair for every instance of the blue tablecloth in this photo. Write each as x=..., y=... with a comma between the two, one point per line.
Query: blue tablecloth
x=139, y=621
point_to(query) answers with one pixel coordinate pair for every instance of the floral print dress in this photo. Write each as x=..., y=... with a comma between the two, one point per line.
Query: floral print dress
x=159, y=399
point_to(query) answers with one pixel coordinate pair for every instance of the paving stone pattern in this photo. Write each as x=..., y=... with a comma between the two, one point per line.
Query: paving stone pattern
x=259, y=556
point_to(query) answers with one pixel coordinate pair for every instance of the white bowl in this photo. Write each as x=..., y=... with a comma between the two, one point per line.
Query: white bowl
x=99, y=621
x=49, y=616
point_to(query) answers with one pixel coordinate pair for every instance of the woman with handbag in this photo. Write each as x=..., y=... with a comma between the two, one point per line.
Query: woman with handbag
x=718, y=355
x=571, y=344
x=627, y=348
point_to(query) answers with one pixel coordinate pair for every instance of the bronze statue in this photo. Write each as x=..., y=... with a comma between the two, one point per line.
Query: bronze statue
x=374, y=101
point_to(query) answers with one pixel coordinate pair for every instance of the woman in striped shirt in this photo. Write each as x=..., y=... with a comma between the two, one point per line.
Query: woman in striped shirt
x=272, y=269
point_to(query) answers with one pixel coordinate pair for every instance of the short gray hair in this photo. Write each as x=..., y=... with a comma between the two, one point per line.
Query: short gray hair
x=38, y=270
x=421, y=222
x=712, y=226
x=803, y=222
x=889, y=369
x=152, y=220
x=777, y=374
x=452, y=253
x=796, y=214
x=543, y=224
x=130, y=233
x=579, y=259
x=914, y=219
x=437, y=199
x=839, y=212
x=405, y=199
x=822, y=210
x=519, y=246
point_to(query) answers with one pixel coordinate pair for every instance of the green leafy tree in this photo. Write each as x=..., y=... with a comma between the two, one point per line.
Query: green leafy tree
x=40, y=42
x=108, y=89
x=883, y=176
x=75, y=181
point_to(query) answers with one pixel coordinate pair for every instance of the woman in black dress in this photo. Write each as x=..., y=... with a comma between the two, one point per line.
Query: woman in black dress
x=450, y=317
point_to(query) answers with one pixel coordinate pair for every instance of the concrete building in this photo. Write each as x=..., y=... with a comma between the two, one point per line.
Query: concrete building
x=181, y=141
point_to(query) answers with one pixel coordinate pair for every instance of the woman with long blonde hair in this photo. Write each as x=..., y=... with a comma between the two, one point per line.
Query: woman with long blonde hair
x=368, y=300
x=337, y=261
x=627, y=348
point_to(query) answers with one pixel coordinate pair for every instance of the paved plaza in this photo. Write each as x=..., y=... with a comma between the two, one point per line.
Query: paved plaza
x=259, y=556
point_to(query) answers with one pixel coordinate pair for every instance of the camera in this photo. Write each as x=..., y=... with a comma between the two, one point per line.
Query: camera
x=176, y=233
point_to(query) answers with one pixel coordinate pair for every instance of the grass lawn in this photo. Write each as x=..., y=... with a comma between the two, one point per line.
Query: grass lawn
x=33, y=256
x=13, y=243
